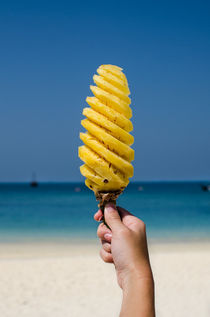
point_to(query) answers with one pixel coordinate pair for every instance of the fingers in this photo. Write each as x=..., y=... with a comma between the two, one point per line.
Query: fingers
x=118, y=218
x=106, y=257
x=130, y=220
x=112, y=217
x=98, y=215
x=124, y=212
x=106, y=246
x=104, y=233
x=126, y=216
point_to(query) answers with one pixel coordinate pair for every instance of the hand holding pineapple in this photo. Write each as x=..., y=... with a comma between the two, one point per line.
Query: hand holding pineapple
x=106, y=151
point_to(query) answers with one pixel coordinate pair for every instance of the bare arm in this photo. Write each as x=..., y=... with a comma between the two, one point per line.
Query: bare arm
x=125, y=245
x=138, y=298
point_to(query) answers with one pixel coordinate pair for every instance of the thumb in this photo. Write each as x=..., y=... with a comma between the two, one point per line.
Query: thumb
x=112, y=217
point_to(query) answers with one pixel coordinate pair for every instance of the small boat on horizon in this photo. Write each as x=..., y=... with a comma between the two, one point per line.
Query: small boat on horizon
x=140, y=188
x=205, y=188
x=77, y=189
x=33, y=183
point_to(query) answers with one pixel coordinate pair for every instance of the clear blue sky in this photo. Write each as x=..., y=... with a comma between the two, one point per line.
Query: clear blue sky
x=49, y=53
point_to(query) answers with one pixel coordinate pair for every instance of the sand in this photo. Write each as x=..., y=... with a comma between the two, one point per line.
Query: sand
x=69, y=279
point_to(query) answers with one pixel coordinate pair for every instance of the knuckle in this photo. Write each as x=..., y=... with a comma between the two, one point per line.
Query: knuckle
x=142, y=225
x=107, y=247
x=107, y=257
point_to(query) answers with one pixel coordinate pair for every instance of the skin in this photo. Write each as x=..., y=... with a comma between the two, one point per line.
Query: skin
x=125, y=245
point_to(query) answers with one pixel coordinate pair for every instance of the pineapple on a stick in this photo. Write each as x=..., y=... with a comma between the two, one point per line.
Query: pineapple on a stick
x=106, y=151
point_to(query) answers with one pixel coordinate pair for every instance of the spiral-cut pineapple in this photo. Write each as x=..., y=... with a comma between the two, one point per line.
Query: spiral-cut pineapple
x=107, y=153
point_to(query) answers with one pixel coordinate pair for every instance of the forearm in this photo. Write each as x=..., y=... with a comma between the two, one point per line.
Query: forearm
x=138, y=298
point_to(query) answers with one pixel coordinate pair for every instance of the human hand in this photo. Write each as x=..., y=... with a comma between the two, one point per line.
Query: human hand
x=125, y=244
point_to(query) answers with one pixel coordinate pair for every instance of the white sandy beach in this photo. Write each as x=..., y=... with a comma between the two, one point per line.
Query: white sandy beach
x=54, y=280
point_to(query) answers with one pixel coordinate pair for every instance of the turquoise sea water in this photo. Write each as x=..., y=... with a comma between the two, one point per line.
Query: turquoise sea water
x=65, y=211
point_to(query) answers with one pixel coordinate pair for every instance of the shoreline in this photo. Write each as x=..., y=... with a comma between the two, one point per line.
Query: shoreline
x=72, y=248
x=69, y=240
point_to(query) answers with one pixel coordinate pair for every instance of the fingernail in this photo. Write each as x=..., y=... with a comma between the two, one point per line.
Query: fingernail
x=107, y=235
x=109, y=207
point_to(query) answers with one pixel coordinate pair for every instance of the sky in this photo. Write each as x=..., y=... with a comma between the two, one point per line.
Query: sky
x=49, y=51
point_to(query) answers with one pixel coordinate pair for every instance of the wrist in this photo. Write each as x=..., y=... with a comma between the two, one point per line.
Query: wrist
x=138, y=276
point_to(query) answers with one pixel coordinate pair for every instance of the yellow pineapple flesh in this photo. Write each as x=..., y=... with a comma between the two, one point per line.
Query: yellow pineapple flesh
x=106, y=152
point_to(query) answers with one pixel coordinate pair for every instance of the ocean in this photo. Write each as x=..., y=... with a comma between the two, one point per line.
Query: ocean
x=171, y=211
